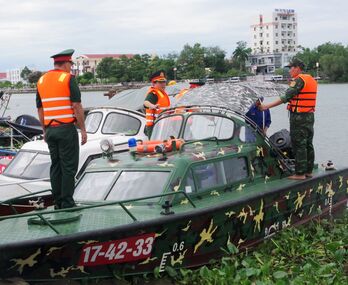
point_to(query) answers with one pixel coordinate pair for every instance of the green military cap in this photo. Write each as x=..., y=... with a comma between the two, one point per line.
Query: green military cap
x=159, y=76
x=296, y=62
x=63, y=56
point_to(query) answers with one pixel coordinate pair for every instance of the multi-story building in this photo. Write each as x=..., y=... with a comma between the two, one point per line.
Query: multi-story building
x=88, y=62
x=274, y=41
x=14, y=75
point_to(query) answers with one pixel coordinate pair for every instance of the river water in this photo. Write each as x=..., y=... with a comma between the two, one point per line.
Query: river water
x=331, y=125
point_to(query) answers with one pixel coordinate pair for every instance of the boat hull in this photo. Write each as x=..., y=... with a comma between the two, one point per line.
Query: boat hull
x=185, y=239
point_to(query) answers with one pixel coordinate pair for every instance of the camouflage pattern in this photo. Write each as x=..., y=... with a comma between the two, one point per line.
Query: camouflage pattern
x=301, y=133
x=243, y=212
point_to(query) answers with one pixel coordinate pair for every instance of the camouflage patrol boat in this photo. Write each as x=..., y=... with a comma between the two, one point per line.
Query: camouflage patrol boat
x=220, y=183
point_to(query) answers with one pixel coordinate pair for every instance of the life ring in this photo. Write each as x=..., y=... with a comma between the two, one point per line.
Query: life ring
x=160, y=146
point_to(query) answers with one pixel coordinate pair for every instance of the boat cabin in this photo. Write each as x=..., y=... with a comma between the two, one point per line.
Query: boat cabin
x=218, y=151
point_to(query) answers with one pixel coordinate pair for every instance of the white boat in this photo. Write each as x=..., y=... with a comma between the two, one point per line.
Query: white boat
x=28, y=172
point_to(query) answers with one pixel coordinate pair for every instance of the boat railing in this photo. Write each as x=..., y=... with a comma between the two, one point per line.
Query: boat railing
x=41, y=213
x=198, y=141
x=12, y=202
x=228, y=112
x=25, y=182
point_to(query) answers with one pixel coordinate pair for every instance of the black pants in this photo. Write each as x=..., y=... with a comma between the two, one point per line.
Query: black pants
x=63, y=144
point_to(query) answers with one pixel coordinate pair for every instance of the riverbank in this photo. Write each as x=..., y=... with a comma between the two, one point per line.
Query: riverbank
x=85, y=88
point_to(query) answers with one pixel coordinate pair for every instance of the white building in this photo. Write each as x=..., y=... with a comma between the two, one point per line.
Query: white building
x=14, y=75
x=274, y=41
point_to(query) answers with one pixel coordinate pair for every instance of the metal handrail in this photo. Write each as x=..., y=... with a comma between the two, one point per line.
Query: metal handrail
x=220, y=109
x=10, y=202
x=102, y=204
x=19, y=131
x=24, y=196
x=25, y=182
x=196, y=141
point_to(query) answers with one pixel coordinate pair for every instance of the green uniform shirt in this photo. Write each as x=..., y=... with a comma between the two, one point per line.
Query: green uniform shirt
x=152, y=98
x=75, y=94
x=294, y=89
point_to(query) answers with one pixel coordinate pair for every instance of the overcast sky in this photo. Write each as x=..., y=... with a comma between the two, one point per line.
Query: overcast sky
x=32, y=30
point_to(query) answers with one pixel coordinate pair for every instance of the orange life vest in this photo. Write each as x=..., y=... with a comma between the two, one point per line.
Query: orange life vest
x=163, y=102
x=305, y=101
x=54, y=91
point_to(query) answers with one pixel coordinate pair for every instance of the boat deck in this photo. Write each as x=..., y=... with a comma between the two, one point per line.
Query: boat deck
x=17, y=229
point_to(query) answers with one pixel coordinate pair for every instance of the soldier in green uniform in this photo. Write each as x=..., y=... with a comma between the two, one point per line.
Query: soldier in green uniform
x=301, y=97
x=59, y=106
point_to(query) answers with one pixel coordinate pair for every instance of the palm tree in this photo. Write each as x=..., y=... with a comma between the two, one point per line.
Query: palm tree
x=241, y=54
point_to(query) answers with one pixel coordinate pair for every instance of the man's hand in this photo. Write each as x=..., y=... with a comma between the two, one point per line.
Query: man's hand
x=154, y=107
x=263, y=107
x=83, y=137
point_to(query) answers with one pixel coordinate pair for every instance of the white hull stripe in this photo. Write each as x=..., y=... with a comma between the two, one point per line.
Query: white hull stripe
x=55, y=99
x=59, y=117
x=57, y=108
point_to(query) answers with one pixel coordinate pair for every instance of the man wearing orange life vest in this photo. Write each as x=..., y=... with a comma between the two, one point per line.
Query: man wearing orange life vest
x=59, y=106
x=156, y=100
x=301, y=98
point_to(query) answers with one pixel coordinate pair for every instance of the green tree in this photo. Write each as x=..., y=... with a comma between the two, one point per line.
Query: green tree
x=137, y=67
x=333, y=67
x=5, y=84
x=25, y=73
x=166, y=63
x=19, y=85
x=332, y=59
x=34, y=77
x=309, y=57
x=119, y=70
x=105, y=67
x=241, y=54
x=191, y=62
x=214, y=59
x=86, y=78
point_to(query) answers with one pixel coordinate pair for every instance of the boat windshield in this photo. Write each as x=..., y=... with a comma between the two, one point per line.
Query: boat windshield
x=201, y=126
x=166, y=127
x=121, y=123
x=29, y=165
x=94, y=186
x=138, y=184
x=92, y=122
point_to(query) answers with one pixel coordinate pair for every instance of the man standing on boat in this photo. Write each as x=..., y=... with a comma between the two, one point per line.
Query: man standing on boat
x=156, y=100
x=59, y=106
x=301, y=98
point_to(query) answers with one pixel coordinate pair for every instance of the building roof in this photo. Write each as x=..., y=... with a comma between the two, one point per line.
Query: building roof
x=3, y=75
x=102, y=55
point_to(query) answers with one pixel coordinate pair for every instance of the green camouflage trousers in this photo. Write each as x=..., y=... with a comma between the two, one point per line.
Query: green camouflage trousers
x=301, y=133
